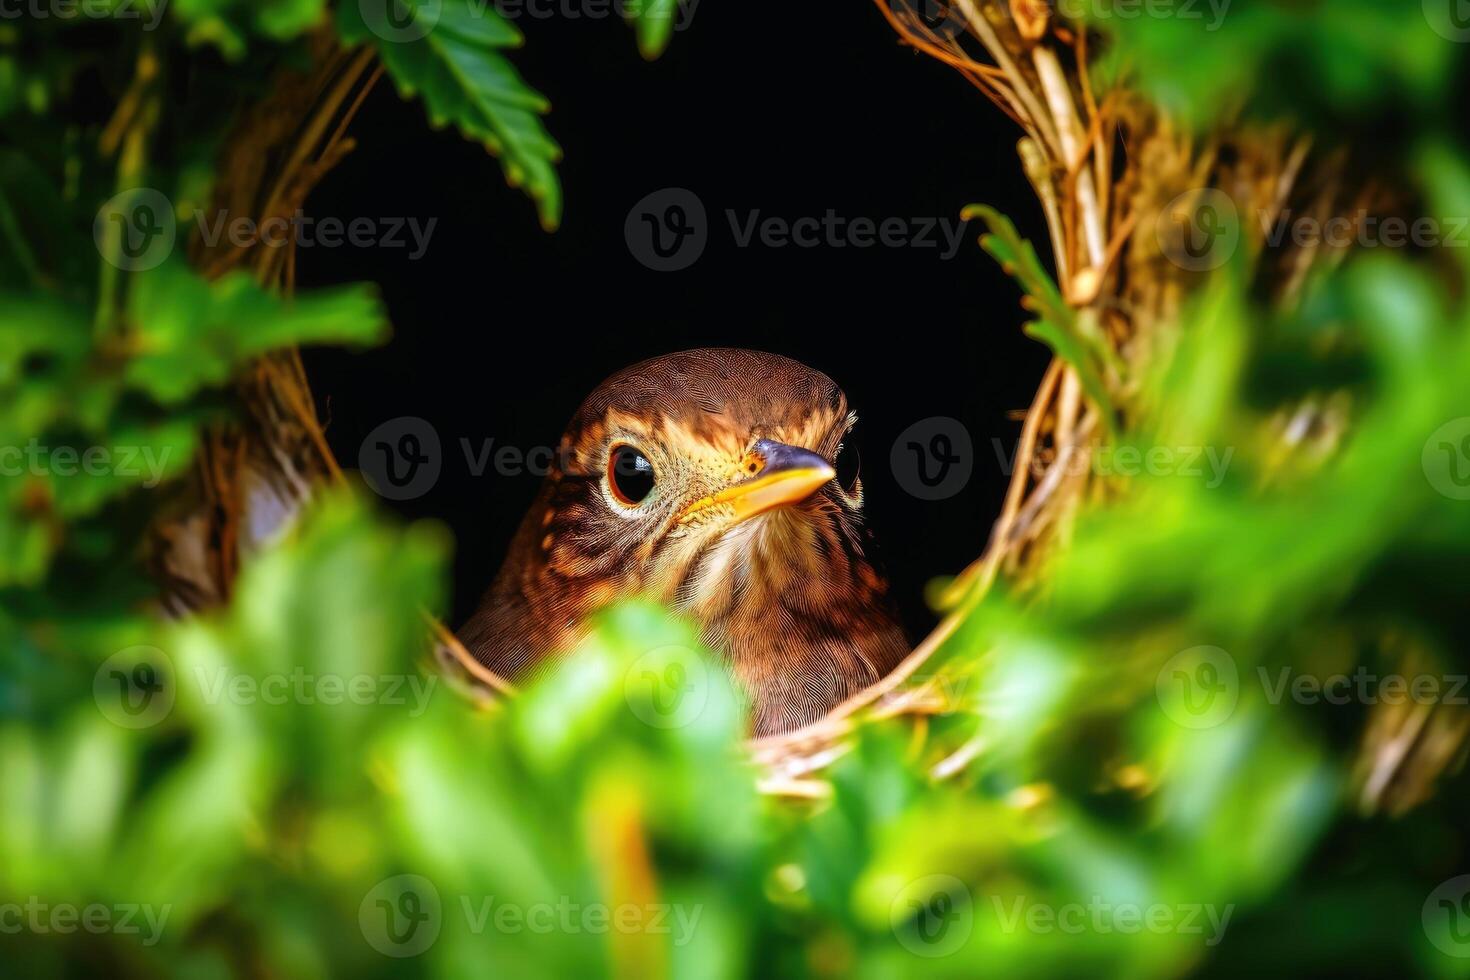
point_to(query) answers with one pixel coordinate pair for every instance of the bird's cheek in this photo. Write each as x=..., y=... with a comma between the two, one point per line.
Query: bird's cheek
x=670, y=559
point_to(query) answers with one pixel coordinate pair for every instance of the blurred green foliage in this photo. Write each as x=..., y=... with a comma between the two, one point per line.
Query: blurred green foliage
x=286, y=788
x=1348, y=65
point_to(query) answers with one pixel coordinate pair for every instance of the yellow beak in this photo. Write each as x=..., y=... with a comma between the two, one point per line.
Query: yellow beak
x=789, y=475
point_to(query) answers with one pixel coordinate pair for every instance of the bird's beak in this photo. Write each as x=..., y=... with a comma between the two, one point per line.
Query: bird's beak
x=788, y=475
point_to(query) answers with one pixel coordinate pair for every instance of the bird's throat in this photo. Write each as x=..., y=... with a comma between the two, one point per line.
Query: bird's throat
x=749, y=564
x=802, y=627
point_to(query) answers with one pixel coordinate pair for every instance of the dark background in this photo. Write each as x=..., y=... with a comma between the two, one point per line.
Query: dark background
x=501, y=329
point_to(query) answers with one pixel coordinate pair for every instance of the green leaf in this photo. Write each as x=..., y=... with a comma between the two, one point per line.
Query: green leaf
x=188, y=334
x=653, y=22
x=447, y=52
x=225, y=22
x=1058, y=325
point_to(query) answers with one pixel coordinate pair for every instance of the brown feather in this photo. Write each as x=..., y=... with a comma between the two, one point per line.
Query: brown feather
x=790, y=596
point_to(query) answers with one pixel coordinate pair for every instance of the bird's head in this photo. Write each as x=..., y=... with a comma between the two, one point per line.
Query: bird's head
x=695, y=474
x=721, y=482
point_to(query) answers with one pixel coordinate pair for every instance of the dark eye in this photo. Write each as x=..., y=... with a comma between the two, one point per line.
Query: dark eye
x=630, y=475
x=847, y=464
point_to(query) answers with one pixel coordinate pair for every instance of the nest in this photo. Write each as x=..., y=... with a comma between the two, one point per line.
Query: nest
x=1105, y=168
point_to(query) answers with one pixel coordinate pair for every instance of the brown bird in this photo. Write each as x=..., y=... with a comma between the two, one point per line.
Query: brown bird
x=707, y=480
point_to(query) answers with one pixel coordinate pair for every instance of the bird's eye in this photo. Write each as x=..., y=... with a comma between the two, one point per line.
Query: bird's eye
x=629, y=475
x=847, y=464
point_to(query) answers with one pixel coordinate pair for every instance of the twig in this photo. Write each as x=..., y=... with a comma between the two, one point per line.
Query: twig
x=305, y=145
x=959, y=759
x=1069, y=133
x=1038, y=171
x=1049, y=482
x=981, y=573
x=986, y=33
x=466, y=660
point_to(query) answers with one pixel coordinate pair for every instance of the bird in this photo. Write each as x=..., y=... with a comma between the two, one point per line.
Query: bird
x=722, y=483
